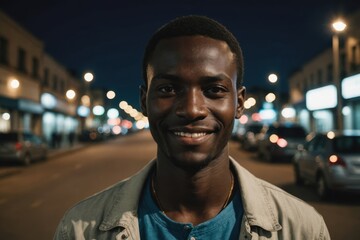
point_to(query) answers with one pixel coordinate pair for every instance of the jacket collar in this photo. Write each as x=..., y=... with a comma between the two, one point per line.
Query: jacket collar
x=256, y=201
x=125, y=201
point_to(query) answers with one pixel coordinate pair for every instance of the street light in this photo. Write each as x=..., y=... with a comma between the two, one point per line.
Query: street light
x=270, y=97
x=273, y=79
x=88, y=76
x=338, y=26
x=87, y=101
x=110, y=94
x=14, y=83
x=70, y=94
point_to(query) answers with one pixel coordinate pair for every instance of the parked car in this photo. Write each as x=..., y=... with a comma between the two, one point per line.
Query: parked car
x=22, y=147
x=280, y=141
x=249, y=139
x=91, y=135
x=331, y=160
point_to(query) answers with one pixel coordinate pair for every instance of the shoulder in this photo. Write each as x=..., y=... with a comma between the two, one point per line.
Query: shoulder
x=259, y=192
x=124, y=193
x=275, y=210
x=104, y=210
x=85, y=215
x=97, y=203
x=296, y=217
x=285, y=202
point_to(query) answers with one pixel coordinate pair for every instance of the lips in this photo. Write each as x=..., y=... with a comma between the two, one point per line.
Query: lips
x=191, y=136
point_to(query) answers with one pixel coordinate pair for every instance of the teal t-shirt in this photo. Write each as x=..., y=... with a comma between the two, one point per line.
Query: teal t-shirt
x=156, y=225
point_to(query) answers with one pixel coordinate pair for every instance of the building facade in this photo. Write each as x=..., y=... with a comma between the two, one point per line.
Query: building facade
x=314, y=88
x=20, y=77
x=34, y=86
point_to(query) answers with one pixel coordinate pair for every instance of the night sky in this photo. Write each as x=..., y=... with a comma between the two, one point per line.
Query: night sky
x=109, y=37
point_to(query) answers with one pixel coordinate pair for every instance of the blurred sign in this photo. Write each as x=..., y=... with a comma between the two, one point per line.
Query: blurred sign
x=350, y=87
x=321, y=98
x=83, y=111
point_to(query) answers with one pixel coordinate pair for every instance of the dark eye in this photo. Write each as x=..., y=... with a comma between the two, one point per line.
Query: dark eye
x=167, y=90
x=216, y=91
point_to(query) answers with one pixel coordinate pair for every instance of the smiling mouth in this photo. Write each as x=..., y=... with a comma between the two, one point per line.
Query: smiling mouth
x=190, y=135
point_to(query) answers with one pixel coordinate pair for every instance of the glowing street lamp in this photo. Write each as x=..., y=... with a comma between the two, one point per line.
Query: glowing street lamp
x=70, y=94
x=338, y=26
x=272, y=78
x=250, y=102
x=88, y=77
x=110, y=94
x=85, y=100
x=123, y=104
x=14, y=84
x=270, y=97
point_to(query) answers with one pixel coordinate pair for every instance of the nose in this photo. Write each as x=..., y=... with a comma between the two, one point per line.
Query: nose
x=191, y=105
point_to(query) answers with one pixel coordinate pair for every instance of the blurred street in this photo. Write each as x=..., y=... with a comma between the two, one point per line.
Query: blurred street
x=33, y=199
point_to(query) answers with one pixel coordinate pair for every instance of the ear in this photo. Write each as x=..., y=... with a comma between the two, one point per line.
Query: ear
x=240, y=102
x=143, y=91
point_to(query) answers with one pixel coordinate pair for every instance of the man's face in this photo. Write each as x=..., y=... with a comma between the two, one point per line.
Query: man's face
x=192, y=100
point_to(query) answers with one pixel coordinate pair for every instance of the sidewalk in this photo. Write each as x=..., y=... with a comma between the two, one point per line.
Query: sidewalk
x=53, y=153
x=10, y=169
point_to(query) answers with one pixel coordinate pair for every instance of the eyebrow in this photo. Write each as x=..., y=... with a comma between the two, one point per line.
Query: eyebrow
x=166, y=76
x=216, y=78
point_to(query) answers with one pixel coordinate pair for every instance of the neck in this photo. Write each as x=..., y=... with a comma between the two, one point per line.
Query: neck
x=193, y=197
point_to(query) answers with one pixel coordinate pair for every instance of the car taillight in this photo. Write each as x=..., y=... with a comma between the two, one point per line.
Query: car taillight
x=281, y=142
x=273, y=138
x=336, y=160
x=18, y=146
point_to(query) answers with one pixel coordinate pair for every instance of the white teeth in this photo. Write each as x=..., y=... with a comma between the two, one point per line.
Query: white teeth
x=190, y=135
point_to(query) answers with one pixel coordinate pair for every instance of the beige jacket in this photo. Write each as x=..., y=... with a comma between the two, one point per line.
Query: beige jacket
x=269, y=212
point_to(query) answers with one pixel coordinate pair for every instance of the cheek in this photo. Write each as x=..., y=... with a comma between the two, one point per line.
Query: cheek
x=225, y=110
x=158, y=109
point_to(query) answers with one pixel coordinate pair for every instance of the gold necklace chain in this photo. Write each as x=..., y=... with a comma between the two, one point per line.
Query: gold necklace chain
x=162, y=209
x=230, y=192
x=155, y=195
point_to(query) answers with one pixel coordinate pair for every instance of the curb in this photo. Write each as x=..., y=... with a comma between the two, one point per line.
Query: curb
x=62, y=152
x=7, y=171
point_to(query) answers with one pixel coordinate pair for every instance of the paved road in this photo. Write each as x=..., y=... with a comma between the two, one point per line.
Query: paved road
x=33, y=199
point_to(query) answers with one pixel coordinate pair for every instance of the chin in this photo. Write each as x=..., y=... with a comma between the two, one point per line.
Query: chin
x=192, y=163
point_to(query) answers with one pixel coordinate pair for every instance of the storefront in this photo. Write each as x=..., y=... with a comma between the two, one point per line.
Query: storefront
x=350, y=90
x=20, y=114
x=59, y=120
x=322, y=103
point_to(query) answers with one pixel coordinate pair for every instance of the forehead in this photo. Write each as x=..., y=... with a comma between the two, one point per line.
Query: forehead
x=191, y=52
x=186, y=44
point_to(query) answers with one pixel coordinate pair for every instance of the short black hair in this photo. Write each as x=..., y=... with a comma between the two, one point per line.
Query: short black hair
x=190, y=26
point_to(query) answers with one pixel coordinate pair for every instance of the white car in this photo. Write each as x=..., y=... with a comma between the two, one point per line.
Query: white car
x=331, y=160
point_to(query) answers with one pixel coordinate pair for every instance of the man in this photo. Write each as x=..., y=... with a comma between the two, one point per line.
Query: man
x=193, y=91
